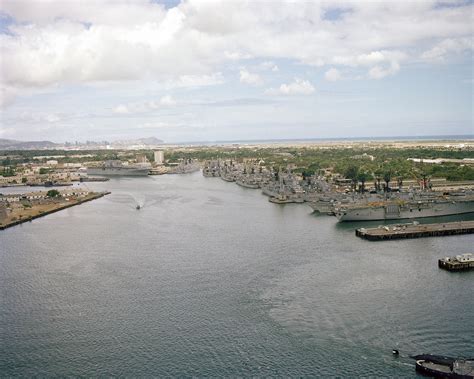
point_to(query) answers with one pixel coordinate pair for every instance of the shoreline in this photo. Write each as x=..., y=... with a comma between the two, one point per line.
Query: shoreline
x=60, y=208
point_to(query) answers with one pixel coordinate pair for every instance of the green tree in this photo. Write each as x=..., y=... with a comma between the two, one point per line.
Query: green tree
x=53, y=193
x=8, y=171
x=351, y=173
x=362, y=177
x=387, y=176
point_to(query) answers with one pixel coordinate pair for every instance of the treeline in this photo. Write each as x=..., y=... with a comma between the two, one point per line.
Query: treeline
x=368, y=163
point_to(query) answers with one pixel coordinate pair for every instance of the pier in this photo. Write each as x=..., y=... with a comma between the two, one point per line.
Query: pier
x=41, y=211
x=415, y=230
x=461, y=262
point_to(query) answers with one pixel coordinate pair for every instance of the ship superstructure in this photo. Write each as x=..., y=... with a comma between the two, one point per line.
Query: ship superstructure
x=416, y=205
x=118, y=168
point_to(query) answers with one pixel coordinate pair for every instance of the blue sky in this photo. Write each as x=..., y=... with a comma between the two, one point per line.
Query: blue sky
x=233, y=70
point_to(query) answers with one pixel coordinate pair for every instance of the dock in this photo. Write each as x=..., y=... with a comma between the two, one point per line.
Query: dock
x=461, y=262
x=37, y=213
x=415, y=230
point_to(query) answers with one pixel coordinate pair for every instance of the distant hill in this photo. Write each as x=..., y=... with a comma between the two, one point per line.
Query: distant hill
x=150, y=141
x=9, y=144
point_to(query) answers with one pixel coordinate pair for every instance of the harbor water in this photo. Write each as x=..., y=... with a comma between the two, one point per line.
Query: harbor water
x=208, y=278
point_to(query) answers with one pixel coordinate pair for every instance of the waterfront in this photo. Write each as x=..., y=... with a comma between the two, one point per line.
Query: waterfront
x=210, y=279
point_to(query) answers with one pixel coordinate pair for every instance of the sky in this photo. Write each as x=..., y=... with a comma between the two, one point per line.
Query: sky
x=202, y=70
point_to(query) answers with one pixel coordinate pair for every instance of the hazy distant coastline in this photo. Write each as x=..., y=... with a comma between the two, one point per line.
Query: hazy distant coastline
x=152, y=142
x=333, y=139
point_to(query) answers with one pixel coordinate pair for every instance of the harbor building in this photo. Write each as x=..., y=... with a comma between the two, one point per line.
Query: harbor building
x=159, y=157
x=142, y=158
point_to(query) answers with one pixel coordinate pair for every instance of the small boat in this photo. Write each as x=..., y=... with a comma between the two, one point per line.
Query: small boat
x=444, y=367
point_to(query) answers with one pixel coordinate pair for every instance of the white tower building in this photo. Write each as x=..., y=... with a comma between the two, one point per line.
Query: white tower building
x=159, y=157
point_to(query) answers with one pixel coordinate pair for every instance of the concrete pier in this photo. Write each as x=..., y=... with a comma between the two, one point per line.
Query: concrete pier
x=36, y=213
x=415, y=230
x=461, y=262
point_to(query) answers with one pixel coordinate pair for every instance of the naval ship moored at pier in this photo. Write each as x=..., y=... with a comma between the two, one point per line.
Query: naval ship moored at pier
x=117, y=168
x=396, y=209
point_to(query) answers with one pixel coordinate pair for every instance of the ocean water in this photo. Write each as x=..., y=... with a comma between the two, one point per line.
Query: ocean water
x=210, y=279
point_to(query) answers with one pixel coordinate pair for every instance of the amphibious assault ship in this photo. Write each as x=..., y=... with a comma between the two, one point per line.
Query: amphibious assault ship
x=117, y=168
x=395, y=209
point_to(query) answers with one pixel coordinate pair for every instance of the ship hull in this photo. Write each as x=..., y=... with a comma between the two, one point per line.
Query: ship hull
x=402, y=213
x=441, y=370
x=277, y=200
x=322, y=207
x=118, y=171
x=247, y=185
x=269, y=192
x=228, y=179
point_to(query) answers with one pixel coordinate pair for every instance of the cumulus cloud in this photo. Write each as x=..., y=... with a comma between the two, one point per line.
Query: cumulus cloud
x=121, y=109
x=447, y=47
x=108, y=12
x=167, y=101
x=269, y=65
x=184, y=81
x=379, y=72
x=381, y=63
x=147, y=106
x=297, y=87
x=332, y=75
x=247, y=77
x=56, y=42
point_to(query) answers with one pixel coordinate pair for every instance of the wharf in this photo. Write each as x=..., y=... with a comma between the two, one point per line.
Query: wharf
x=94, y=179
x=57, y=207
x=415, y=230
x=461, y=262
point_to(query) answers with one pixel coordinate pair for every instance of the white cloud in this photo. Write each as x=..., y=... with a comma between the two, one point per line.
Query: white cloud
x=52, y=118
x=57, y=42
x=250, y=78
x=297, y=87
x=269, y=65
x=121, y=109
x=183, y=81
x=448, y=47
x=381, y=63
x=236, y=55
x=379, y=72
x=147, y=106
x=167, y=101
x=107, y=12
x=332, y=75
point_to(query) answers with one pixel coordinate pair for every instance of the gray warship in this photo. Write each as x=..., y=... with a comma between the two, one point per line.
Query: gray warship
x=117, y=168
